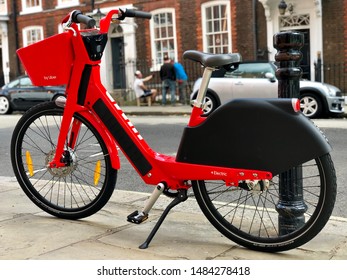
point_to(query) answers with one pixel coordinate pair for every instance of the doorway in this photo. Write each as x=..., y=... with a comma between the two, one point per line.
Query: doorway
x=2, y=80
x=118, y=65
x=305, y=63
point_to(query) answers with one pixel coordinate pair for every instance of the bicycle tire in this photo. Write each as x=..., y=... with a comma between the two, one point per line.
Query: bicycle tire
x=73, y=192
x=233, y=210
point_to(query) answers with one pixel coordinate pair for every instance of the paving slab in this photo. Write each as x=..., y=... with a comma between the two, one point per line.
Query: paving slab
x=26, y=232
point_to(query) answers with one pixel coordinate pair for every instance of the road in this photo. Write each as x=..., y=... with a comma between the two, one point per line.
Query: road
x=163, y=134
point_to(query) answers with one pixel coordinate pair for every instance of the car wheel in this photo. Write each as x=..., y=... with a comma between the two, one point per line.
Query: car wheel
x=5, y=107
x=310, y=105
x=210, y=104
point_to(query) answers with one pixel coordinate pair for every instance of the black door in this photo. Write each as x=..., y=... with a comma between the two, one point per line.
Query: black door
x=305, y=62
x=117, y=45
x=2, y=80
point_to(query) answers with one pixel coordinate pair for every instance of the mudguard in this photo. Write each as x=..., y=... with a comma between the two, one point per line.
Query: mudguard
x=260, y=134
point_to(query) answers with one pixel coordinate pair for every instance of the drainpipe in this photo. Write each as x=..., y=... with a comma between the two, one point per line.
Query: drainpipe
x=255, y=29
x=15, y=27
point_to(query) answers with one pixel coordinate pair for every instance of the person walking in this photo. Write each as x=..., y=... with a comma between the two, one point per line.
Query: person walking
x=181, y=78
x=168, y=78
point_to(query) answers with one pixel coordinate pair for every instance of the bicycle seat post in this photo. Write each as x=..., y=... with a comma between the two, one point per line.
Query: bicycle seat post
x=203, y=87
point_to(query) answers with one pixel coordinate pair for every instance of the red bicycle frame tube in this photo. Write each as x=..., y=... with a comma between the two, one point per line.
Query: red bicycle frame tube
x=107, y=117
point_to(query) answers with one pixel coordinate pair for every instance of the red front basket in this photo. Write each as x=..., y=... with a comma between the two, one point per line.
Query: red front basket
x=48, y=62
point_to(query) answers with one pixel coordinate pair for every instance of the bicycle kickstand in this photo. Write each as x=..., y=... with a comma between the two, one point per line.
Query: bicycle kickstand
x=182, y=196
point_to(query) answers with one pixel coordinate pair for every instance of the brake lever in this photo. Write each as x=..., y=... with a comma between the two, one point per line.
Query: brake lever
x=69, y=21
x=121, y=15
x=67, y=25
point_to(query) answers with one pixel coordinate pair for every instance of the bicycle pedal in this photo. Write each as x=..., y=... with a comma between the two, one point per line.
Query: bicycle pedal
x=137, y=218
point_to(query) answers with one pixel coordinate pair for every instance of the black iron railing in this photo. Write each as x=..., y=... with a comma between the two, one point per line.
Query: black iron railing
x=331, y=73
x=334, y=74
x=193, y=70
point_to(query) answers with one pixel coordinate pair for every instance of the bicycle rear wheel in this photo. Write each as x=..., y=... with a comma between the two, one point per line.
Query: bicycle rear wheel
x=76, y=191
x=249, y=217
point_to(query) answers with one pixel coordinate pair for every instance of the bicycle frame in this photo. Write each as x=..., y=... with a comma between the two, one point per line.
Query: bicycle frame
x=87, y=96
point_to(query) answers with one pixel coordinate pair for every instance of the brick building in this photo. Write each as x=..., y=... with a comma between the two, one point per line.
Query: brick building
x=245, y=26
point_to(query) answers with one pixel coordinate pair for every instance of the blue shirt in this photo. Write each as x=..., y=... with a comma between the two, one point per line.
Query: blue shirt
x=180, y=73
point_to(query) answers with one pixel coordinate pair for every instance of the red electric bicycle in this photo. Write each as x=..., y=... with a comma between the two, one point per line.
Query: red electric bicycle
x=245, y=162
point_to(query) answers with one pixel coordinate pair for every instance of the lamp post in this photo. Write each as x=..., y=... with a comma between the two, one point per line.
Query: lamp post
x=98, y=16
x=282, y=6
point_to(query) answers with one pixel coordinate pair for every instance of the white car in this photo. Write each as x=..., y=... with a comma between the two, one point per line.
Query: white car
x=258, y=80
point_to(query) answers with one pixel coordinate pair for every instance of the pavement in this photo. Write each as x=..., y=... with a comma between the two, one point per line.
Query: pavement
x=26, y=232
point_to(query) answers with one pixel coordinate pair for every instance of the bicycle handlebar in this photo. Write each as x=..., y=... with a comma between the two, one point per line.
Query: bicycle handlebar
x=134, y=13
x=78, y=17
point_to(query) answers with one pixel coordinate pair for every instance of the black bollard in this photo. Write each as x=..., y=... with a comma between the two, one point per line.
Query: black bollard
x=291, y=206
x=288, y=45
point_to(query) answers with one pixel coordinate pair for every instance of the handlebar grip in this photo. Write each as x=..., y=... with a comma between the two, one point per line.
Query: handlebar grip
x=78, y=17
x=138, y=14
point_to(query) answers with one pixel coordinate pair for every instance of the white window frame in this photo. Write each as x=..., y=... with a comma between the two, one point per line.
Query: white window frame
x=28, y=10
x=67, y=3
x=3, y=7
x=158, y=60
x=204, y=22
x=29, y=29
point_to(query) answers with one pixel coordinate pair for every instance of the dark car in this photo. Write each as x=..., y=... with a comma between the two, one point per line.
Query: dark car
x=20, y=95
x=257, y=80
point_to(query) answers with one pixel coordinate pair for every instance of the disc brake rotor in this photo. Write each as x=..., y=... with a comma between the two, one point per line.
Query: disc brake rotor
x=62, y=171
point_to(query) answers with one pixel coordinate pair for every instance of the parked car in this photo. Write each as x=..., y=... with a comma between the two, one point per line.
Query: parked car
x=257, y=80
x=20, y=95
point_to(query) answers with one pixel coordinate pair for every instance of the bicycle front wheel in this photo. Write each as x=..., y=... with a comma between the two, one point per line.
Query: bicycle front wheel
x=250, y=217
x=76, y=191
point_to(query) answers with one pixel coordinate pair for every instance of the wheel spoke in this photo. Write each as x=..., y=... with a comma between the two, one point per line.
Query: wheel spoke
x=74, y=190
x=250, y=217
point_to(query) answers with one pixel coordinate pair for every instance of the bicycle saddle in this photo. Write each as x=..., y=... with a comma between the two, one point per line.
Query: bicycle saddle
x=212, y=60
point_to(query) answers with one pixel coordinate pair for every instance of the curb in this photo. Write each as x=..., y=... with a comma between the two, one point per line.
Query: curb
x=179, y=110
